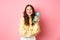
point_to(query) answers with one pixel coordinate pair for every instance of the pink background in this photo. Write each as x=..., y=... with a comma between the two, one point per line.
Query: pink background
x=12, y=10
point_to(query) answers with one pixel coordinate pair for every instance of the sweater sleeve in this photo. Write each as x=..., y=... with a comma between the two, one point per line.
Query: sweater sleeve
x=36, y=28
x=21, y=27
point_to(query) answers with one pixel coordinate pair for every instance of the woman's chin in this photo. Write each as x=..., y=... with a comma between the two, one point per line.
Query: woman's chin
x=29, y=15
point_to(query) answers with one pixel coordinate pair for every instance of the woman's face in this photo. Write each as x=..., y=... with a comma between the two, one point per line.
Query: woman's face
x=29, y=10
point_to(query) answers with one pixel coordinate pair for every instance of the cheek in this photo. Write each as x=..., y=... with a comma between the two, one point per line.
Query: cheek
x=31, y=11
x=27, y=12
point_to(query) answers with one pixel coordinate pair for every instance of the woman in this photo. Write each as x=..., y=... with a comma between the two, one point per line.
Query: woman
x=28, y=30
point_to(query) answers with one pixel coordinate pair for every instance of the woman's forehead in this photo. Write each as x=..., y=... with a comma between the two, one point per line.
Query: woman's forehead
x=29, y=7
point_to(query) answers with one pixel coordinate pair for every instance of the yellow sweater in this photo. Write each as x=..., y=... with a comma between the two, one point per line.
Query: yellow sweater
x=28, y=31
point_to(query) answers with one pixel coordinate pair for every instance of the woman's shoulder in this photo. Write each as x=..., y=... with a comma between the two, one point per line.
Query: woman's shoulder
x=22, y=19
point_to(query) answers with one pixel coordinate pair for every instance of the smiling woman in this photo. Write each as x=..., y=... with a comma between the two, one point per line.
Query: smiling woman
x=28, y=30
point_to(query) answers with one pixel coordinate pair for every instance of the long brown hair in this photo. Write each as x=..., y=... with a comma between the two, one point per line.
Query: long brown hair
x=26, y=18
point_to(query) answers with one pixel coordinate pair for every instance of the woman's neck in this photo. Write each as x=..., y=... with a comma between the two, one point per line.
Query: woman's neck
x=29, y=16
